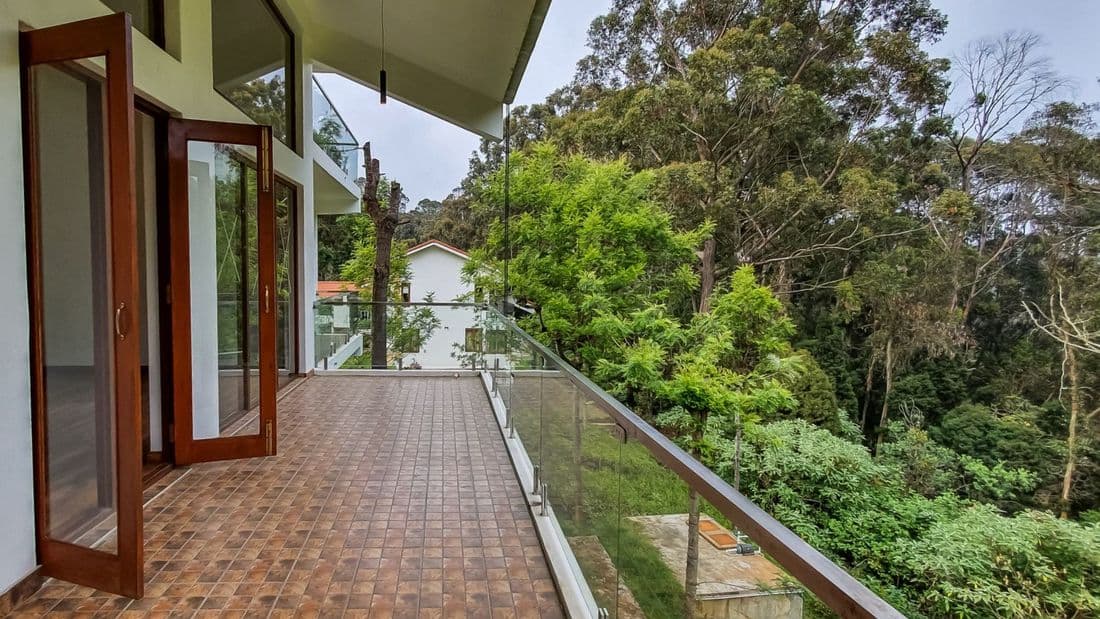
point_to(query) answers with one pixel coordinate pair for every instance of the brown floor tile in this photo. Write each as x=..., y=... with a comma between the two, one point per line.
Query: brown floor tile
x=390, y=497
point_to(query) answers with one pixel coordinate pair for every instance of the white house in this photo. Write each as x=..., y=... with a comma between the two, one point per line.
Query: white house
x=436, y=273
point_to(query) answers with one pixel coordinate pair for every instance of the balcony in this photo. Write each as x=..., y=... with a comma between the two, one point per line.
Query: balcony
x=494, y=480
x=333, y=135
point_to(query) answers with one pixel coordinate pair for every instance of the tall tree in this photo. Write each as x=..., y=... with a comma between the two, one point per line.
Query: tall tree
x=1002, y=80
x=1063, y=136
x=386, y=219
x=727, y=95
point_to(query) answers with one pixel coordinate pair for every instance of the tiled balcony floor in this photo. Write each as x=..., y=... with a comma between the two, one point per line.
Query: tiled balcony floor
x=390, y=497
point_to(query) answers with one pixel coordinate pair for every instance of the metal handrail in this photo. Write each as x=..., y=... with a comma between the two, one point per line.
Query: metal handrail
x=834, y=586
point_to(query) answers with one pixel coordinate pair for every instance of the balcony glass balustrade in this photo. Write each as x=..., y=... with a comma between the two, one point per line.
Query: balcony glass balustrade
x=333, y=135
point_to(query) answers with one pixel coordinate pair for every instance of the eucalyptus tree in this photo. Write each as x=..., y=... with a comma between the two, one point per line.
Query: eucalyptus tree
x=723, y=97
x=999, y=82
x=1065, y=148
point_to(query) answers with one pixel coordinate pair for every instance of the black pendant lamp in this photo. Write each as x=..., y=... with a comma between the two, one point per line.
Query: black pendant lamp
x=382, y=72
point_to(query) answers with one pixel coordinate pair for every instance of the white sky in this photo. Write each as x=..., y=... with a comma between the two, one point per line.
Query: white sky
x=429, y=156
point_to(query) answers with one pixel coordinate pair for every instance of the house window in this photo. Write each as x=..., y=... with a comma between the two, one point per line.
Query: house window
x=146, y=16
x=253, y=63
x=496, y=342
x=473, y=340
x=409, y=342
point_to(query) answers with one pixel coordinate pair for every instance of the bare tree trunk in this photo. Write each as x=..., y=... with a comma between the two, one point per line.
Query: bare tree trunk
x=691, y=571
x=707, y=274
x=578, y=458
x=380, y=284
x=1070, y=358
x=737, y=453
x=385, y=224
x=888, y=369
x=707, y=270
x=867, y=385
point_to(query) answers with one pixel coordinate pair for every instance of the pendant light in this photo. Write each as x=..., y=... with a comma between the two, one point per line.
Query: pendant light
x=382, y=72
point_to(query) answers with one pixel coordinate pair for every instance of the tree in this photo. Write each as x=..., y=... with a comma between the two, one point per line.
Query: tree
x=904, y=298
x=1074, y=323
x=1003, y=80
x=725, y=97
x=589, y=244
x=385, y=219
x=726, y=367
x=1063, y=137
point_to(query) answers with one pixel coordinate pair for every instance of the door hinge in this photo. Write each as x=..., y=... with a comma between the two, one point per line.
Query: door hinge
x=171, y=433
x=168, y=294
x=269, y=437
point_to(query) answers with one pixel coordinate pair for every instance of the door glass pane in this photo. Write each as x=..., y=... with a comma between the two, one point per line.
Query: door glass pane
x=284, y=280
x=76, y=306
x=225, y=330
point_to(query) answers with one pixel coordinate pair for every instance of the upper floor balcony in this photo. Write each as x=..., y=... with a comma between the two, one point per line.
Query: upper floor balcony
x=332, y=134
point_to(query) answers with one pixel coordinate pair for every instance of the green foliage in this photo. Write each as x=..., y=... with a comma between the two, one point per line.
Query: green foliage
x=932, y=470
x=980, y=564
x=1008, y=433
x=936, y=557
x=815, y=393
x=589, y=244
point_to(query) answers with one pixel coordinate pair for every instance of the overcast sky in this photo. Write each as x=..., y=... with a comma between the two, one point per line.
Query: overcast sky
x=429, y=156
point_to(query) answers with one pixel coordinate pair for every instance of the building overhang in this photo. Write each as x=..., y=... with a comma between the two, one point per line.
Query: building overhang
x=459, y=61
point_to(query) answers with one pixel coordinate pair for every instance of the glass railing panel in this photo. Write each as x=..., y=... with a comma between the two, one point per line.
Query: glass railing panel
x=651, y=533
x=582, y=455
x=525, y=408
x=333, y=135
x=418, y=336
x=340, y=328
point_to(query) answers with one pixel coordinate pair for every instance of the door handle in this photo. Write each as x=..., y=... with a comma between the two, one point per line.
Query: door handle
x=118, y=320
x=267, y=299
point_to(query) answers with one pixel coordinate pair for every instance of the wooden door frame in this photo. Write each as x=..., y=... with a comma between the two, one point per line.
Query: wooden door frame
x=108, y=37
x=295, y=369
x=187, y=449
x=162, y=247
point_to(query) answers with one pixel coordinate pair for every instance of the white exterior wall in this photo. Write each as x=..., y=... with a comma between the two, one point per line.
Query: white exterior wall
x=181, y=83
x=434, y=269
x=437, y=270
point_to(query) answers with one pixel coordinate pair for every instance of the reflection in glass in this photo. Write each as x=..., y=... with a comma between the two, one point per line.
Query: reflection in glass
x=145, y=15
x=284, y=280
x=223, y=206
x=332, y=134
x=76, y=306
x=252, y=53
